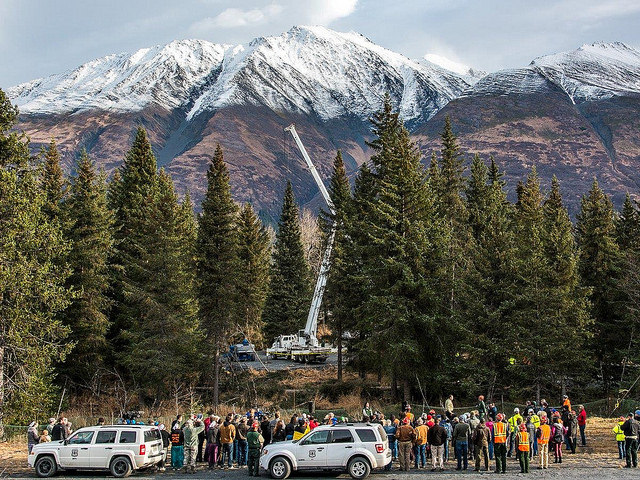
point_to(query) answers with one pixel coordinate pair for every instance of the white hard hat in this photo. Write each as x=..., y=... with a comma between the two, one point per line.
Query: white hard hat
x=516, y=410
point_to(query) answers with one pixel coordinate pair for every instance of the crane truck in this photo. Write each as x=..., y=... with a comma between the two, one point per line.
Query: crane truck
x=304, y=346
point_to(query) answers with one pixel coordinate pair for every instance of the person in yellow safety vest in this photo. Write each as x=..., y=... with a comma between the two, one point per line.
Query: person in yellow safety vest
x=543, y=433
x=513, y=428
x=566, y=402
x=522, y=443
x=620, y=438
x=301, y=429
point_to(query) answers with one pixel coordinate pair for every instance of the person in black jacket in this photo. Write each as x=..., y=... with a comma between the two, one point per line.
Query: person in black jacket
x=290, y=427
x=631, y=429
x=166, y=441
x=436, y=438
x=59, y=431
x=265, y=428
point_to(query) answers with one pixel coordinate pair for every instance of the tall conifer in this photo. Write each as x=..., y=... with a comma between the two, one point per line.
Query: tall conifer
x=290, y=279
x=90, y=231
x=217, y=259
x=600, y=270
x=254, y=256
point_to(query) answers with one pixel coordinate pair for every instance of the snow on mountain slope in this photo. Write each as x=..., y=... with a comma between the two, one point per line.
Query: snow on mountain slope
x=465, y=71
x=309, y=70
x=598, y=70
x=509, y=82
x=163, y=75
x=327, y=73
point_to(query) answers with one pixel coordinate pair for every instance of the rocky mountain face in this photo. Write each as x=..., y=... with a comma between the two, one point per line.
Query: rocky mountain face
x=572, y=114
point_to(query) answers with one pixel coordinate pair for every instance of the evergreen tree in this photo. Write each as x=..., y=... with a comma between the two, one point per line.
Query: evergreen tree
x=399, y=260
x=254, y=255
x=90, y=230
x=490, y=218
x=289, y=294
x=217, y=259
x=339, y=287
x=628, y=226
x=53, y=182
x=600, y=270
x=31, y=282
x=166, y=298
x=566, y=300
x=131, y=196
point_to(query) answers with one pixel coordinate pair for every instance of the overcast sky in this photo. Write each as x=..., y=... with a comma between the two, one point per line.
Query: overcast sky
x=41, y=37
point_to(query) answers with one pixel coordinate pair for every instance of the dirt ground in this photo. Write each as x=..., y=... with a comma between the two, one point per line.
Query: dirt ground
x=598, y=460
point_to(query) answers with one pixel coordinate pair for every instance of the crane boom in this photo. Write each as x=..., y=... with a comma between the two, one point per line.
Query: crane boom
x=292, y=129
x=311, y=327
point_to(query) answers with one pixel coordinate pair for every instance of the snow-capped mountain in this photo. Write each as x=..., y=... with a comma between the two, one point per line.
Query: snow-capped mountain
x=165, y=75
x=595, y=71
x=574, y=114
x=591, y=72
x=308, y=70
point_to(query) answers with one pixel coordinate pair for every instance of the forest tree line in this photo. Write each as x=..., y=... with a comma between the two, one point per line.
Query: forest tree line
x=114, y=289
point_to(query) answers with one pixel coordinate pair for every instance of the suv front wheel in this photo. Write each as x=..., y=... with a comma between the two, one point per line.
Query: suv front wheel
x=280, y=468
x=46, y=466
x=120, y=467
x=359, y=468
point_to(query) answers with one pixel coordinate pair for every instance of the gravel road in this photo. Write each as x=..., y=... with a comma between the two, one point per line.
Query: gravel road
x=578, y=472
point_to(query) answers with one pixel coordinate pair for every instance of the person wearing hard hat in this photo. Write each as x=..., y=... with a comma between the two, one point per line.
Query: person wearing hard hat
x=514, y=421
x=255, y=441
x=500, y=429
x=543, y=434
x=523, y=446
x=405, y=436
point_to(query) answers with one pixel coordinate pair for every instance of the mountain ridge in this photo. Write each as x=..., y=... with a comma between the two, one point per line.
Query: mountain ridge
x=192, y=94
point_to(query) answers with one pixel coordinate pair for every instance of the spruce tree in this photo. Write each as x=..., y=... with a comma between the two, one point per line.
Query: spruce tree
x=628, y=226
x=290, y=281
x=339, y=287
x=217, y=260
x=254, y=255
x=166, y=298
x=566, y=300
x=90, y=230
x=600, y=270
x=400, y=255
x=131, y=196
x=490, y=217
x=53, y=182
x=32, y=286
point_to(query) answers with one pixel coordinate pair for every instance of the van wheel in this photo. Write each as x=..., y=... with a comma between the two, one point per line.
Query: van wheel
x=46, y=466
x=358, y=468
x=120, y=467
x=280, y=468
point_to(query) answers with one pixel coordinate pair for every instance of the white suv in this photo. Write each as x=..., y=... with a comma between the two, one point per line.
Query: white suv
x=356, y=448
x=118, y=448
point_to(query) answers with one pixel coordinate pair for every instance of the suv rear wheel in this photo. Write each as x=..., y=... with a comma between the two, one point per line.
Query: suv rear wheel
x=120, y=467
x=46, y=466
x=359, y=468
x=280, y=468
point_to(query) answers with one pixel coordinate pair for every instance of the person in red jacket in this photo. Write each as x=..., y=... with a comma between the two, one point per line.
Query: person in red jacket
x=582, y=423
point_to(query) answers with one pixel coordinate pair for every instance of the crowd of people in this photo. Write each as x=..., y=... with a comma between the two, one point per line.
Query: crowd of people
x=482, y=435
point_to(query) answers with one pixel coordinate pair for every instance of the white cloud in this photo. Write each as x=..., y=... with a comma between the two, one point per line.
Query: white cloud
x=236, y=17
x=323, y=12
